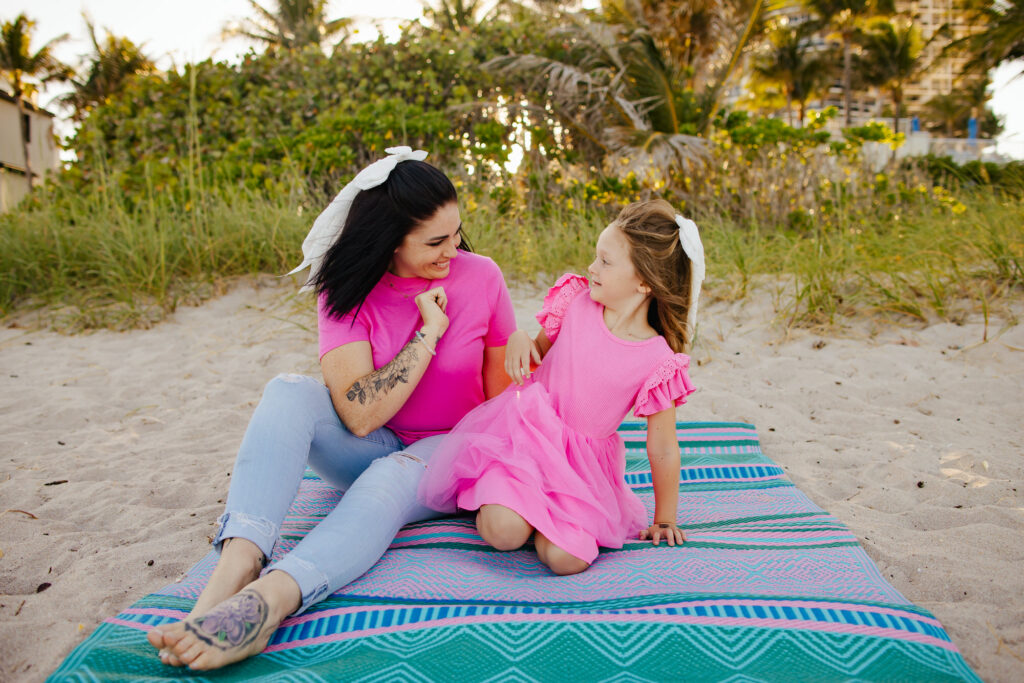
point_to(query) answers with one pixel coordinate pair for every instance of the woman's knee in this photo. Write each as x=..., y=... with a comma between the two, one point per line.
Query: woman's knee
x=289, y=387
x=502, y=528
x=295, y=398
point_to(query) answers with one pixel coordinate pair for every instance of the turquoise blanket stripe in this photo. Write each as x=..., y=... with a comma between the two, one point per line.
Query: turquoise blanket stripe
x=768, y=587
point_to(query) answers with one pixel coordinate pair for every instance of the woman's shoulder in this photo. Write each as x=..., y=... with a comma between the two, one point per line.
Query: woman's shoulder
x=471, y=262
x=477, y=273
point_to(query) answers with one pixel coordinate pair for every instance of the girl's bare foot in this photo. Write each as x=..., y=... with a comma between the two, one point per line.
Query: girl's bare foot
x=237, y=628
x=239, y=564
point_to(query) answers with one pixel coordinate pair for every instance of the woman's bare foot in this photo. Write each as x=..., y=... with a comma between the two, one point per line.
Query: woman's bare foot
x=237, y=628
x=239, y=564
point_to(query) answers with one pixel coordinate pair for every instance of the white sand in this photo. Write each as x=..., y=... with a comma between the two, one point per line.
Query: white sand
x=913, y=437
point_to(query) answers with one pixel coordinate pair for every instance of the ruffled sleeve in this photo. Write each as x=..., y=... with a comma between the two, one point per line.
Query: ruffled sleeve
x=666, y=387
x=557, y=301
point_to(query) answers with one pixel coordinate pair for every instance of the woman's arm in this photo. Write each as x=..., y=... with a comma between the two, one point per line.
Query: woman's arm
x=663, y=454
x=495, y=377
x=364, y=398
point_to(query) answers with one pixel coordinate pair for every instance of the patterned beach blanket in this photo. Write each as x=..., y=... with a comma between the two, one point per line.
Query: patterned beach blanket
x=768, y=587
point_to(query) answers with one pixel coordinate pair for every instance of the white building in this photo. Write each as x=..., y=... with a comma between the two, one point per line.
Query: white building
x=44, y=154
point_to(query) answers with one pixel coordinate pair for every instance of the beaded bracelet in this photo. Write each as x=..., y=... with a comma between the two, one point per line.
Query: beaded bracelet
x=420, y=337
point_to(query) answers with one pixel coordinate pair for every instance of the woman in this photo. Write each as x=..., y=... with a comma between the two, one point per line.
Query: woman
x=412, y=335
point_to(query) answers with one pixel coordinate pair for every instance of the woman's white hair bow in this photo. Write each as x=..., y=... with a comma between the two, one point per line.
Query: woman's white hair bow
x=328, y=225
x=689, y=237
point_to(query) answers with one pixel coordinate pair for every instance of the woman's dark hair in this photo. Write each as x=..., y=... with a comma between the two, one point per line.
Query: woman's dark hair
x=377, y=223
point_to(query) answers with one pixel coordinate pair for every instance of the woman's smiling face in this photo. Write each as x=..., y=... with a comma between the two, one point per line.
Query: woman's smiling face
x=613, y=279
x=428, y=249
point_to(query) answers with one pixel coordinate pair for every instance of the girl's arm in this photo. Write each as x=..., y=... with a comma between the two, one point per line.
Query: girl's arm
x=663, y=453
x=521, y=350
x=364, y=398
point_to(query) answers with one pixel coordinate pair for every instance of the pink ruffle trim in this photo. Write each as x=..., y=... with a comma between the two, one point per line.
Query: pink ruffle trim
x=667, y=387
x=557, y=302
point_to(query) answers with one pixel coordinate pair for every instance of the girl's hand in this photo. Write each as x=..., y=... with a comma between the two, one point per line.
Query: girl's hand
x=432, y=304
x=667, y=530
x=519, y=351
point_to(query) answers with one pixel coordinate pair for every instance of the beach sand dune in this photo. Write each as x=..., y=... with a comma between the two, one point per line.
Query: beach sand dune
x=117, y=448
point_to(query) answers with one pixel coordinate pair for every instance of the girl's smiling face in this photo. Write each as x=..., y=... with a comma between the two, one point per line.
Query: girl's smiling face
x=428, y=249
x=613, y=279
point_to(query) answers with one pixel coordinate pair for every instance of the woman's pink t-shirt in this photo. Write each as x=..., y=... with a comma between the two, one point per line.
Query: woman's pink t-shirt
x=480, y=315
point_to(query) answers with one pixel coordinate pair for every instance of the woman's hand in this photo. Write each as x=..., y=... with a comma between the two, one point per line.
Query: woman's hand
x=519, y=351
x=432, y=304
x=667, y=530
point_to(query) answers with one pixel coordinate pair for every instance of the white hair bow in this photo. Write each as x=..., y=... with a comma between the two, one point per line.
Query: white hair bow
x=689, y=237
x=328, y=225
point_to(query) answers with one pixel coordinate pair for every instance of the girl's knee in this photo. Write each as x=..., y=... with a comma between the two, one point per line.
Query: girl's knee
x=502, y=528
x=563, y=563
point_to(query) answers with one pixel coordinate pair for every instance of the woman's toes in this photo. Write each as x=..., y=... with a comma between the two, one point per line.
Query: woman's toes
x=170, y=660
x=155, y=637
x=183, y=645
x=173, y=633
x=207, y=660
x=189, y=656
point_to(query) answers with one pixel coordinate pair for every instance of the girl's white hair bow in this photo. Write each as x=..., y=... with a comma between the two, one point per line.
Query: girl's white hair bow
x=689, y=237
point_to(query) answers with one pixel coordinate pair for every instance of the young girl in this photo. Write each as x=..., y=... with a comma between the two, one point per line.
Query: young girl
x=544, y=456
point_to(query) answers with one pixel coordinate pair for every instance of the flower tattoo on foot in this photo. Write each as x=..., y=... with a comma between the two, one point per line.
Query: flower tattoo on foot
x=233, y=623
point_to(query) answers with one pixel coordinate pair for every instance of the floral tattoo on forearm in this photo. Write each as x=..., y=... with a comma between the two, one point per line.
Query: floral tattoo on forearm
x=233, y=623
x=380, y=382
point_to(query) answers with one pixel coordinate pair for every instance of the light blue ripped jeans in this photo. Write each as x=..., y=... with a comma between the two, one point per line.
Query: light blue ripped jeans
x=295, y=423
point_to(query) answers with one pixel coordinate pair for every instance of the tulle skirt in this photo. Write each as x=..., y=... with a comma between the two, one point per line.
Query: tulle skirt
x=515, y=450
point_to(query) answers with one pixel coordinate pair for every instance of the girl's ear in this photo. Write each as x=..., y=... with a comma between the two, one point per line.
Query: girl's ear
x=645, y=290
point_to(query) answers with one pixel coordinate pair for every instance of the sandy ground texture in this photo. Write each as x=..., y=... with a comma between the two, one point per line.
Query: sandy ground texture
x=117, y=450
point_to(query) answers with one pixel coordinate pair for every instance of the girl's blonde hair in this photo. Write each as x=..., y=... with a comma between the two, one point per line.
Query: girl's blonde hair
x=660, y=262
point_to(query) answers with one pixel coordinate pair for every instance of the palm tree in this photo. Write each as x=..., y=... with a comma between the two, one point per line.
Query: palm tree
x=704, y=39
x=21, y=67
x=293, y=24
x=690, y=32
x=621, y=92
x=791, y=62
x=1001, y=40
x=453, y=15
x=944, y=111
x=111, y=63
x=891, y=57
x=844, y=18
x=951, y=112
x=610, y=87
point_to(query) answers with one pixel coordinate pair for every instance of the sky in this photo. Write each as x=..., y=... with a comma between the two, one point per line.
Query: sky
x=181, y=31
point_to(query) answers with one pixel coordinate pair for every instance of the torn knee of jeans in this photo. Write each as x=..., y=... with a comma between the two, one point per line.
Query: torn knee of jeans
x=291, y=377
x=403, y=458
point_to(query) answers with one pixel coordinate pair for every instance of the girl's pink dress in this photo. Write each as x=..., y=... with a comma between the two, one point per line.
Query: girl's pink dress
x=549, y=449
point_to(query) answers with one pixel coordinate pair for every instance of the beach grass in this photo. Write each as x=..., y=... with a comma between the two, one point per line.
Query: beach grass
x=100, y=259
x=926, y=264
